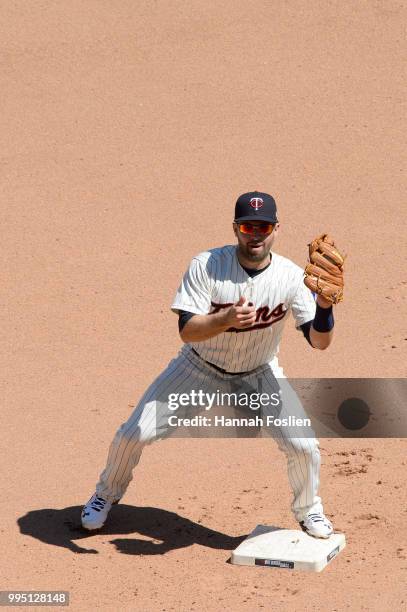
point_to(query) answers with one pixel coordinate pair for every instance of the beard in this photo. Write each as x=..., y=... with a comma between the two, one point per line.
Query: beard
x=253, y=253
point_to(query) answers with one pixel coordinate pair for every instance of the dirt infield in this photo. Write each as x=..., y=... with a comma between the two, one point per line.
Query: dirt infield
x=128, y=129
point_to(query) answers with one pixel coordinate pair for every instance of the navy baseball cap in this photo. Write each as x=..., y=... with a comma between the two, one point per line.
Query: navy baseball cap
x=256, y=206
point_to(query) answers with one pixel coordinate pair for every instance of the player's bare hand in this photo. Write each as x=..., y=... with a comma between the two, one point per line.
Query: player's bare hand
x=240, y=315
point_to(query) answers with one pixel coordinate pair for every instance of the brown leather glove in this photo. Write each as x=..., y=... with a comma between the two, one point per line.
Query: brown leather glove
x=324, y=272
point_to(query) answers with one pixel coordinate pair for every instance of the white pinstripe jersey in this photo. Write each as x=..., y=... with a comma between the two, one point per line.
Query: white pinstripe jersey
x=215, y=279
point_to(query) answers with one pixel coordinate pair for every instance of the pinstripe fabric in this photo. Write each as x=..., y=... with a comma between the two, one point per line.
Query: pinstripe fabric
x=141, y=428
x=302, y=451
x=216, y=277
x=149, y=420
x=188, y=371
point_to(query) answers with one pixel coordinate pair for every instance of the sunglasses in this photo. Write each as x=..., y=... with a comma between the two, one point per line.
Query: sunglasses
x=249, y=228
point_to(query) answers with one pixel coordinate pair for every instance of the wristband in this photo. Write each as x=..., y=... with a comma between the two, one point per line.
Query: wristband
x=324, y=319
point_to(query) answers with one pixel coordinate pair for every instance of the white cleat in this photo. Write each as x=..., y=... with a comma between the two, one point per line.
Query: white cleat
x=317, y=525
x=94, y=513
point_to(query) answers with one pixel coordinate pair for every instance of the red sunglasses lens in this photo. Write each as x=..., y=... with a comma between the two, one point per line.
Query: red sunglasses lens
x=248, y=228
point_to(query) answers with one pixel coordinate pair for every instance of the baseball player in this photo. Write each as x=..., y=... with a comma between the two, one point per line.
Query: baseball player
x=232, y=305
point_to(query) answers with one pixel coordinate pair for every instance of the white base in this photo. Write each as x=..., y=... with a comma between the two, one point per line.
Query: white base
x=287, y=548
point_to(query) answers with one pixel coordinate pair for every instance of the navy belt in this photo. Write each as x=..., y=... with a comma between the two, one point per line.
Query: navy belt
x=220, y=369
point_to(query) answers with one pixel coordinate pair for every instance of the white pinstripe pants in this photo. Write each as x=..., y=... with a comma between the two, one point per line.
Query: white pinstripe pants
x=149, y=422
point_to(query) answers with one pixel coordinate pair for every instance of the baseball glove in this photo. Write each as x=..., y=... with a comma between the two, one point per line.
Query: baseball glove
x=324, y=272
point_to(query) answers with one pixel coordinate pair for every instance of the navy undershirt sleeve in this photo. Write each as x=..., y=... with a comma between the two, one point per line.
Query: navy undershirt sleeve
x=183, y=318
x=305, y=328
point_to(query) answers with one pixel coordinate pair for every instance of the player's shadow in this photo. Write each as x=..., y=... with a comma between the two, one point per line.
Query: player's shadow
x=165, y=530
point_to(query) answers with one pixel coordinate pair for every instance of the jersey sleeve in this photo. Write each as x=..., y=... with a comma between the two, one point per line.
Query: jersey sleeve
x=194, y=294
x=303, y=305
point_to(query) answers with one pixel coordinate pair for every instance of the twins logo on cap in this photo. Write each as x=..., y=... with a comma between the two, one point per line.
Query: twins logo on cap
x=256, y=203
